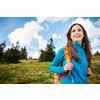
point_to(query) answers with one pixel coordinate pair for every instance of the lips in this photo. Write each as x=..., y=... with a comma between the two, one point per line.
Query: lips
x=76, y=36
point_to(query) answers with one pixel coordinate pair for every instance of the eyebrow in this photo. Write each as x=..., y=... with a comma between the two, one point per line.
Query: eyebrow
x=78, y=29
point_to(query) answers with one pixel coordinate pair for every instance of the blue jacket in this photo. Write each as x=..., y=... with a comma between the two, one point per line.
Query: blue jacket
x=78, y=72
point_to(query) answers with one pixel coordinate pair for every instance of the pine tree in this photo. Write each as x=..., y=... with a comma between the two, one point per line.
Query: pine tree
x=50, y=45
x=42, y=56
x=2, y=46
x=12, y=55
x=23, y=53
x=97, y=53
x=49, y=54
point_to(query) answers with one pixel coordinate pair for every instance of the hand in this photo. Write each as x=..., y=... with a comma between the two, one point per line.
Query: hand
x=89, y=72
x=68, y=67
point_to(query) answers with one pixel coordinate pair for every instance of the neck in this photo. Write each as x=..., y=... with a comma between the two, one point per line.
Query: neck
x=80, y=43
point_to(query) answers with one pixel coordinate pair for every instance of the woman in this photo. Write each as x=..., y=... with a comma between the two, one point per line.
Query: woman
x=79, y=51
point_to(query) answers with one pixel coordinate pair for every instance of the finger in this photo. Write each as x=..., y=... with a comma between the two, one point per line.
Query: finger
x=71, y=64
x=88, y=68
x=70, y=68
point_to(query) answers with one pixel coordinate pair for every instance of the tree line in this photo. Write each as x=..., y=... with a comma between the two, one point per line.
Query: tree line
x=13, y=54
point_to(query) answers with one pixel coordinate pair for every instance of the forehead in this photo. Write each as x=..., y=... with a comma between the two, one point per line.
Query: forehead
x=76, y=27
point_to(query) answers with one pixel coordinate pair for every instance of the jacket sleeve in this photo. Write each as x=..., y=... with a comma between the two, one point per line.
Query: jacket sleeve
x=56, y=62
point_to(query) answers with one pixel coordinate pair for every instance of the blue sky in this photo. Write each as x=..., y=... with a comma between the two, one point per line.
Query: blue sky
x=35, y=32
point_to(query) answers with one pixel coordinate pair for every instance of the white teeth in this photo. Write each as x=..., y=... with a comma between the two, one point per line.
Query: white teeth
x=76, y=36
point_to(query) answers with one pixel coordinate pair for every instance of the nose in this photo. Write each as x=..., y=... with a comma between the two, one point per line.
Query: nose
x=76, y=32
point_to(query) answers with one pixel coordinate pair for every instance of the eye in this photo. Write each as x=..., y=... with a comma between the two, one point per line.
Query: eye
x=79, y=30
x=73, y=30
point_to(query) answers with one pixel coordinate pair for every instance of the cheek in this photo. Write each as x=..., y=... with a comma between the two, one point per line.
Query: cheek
x=82, y=34
x=72, y=34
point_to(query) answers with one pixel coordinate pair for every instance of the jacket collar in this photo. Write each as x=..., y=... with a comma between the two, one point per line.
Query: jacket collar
x=77, y=45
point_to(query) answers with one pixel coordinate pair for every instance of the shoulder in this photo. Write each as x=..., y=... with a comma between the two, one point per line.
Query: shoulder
x=62, y=50
x=65, y=47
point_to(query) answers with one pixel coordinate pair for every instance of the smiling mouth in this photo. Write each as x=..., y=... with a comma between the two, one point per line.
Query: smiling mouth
x=77, y=36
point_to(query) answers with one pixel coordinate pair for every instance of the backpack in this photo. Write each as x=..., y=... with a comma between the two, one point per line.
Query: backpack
x=59, y=77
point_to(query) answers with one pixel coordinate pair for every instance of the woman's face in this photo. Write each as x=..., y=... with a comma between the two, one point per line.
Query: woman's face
x=77, y=34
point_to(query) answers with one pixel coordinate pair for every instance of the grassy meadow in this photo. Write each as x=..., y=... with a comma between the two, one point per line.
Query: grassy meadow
x=95, y=67
x=34, y=72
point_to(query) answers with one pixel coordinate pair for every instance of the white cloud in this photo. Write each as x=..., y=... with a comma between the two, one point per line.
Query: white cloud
x=25, y=36
x=92, y=31
x=55, y=36
x=34, y=55
x=97, y=23
x=41, y=19
x=42, y=43
x=47, y=25
x=95, y=43
x=51, y=19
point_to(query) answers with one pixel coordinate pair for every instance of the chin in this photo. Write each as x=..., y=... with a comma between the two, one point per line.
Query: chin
x=77, y=41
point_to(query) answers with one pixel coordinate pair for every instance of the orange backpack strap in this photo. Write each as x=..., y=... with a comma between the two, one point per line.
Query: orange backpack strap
x=68, y=60
x=58, y=77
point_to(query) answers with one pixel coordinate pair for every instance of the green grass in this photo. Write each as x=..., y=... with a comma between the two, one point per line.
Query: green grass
x=95, y=67
x=34, y=72
x=27, y=72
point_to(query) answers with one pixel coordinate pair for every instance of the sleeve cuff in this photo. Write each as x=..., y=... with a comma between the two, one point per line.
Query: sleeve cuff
x=63, y=71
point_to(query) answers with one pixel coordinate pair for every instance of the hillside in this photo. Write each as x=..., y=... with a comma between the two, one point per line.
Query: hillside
x=34, y=72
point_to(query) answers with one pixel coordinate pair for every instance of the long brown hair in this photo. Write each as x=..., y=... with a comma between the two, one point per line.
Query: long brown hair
x=71, y=48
